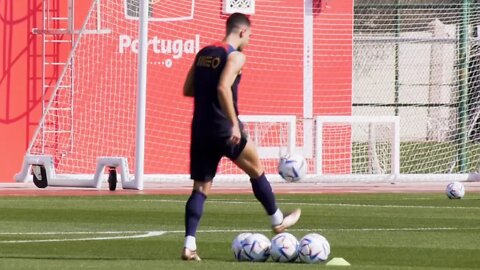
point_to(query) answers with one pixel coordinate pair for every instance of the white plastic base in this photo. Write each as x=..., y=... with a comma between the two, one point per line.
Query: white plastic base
x=85, y=180
x=78, y=180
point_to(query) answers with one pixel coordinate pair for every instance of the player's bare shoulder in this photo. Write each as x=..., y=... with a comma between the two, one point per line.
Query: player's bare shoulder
x=237, y=59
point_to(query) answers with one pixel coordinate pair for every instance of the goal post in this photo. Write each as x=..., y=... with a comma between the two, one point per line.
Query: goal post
x=273, y=135
x=357, y=147
x=48, y=142
x=141, y=94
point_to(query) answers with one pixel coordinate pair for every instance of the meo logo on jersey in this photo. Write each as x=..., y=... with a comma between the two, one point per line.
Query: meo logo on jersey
x=208, y=61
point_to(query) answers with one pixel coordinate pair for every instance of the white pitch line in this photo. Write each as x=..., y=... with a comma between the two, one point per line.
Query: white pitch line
x=159, y=233
x=244, y=230
x=316, y=204
x=69, y=233
x=145, y=235
x=338, y=229
x=282, y=202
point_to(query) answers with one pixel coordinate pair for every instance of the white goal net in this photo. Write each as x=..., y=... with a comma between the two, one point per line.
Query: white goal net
x=363, y=59
x=357, y=147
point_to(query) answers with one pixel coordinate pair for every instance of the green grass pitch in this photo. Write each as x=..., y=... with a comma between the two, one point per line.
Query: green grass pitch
x=370, y=231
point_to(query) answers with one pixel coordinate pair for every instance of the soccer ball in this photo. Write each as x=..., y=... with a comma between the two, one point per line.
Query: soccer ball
x=256, y=247
x=292, y=168
x=455, y=190
x=237, y=247
x=314, y=248
x=284, y=248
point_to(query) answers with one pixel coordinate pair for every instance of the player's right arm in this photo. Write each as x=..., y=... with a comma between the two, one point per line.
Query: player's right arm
x=235, y=62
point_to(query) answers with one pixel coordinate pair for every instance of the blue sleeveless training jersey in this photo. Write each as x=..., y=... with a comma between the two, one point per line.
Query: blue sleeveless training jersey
x=208, y=117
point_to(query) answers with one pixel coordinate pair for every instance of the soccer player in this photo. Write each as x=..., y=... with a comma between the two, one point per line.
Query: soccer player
x=216, y=130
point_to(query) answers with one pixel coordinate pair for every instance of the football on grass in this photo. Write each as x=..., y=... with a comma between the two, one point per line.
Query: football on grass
x=314, y=248
x=237, y=247
x=455, y=190
x=284, y=248
x=256, y=247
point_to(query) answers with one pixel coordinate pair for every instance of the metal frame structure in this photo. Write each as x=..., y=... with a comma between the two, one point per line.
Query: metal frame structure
x=43, y=165
x=53, y=37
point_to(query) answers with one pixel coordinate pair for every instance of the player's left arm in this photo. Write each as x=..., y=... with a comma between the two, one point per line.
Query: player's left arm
x=188, y=89
x=235, y=62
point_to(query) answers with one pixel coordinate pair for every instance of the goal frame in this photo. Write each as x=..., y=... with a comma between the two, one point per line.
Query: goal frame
x=396, y=175
x=395, y=146
x=46, y=161
x=136, y=182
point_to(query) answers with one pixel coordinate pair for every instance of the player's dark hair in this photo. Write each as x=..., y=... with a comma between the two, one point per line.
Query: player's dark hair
x=237, y=20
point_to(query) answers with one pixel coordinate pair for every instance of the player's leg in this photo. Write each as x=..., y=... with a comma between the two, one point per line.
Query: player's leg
x=249, y=161
x=193, y=213
x=204, y=158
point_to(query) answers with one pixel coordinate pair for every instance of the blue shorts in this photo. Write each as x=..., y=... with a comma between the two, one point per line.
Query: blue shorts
x=205, y=154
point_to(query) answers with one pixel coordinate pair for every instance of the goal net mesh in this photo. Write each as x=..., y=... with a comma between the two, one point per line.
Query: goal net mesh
x=418, y=60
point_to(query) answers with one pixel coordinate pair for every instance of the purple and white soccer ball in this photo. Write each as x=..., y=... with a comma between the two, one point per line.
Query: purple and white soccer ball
x=292, y=167
x=284, y=248
x=455, y=190
x=314, y=248
x=237, y=247
x=256, y=247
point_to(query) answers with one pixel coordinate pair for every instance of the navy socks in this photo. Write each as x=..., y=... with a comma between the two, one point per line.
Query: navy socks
x=263, y=192
x=193, y=212
x=195, y=204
